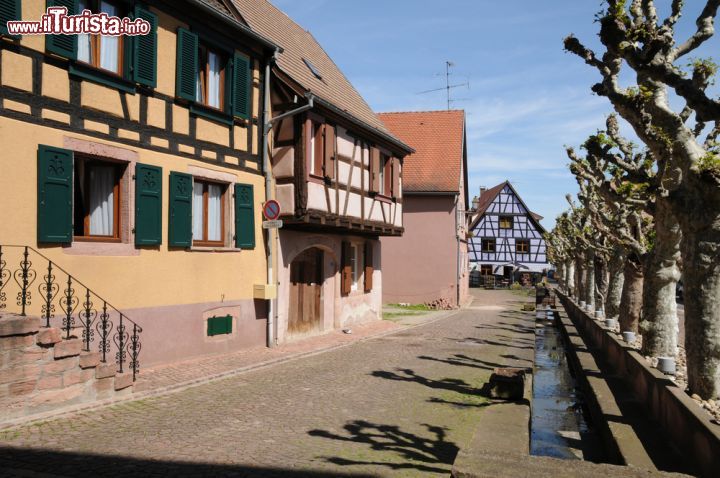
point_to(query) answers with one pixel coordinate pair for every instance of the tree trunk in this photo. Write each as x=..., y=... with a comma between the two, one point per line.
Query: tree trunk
x=590, y=279
x=631, y=299
x=700, y=221
x=659, y=325
x=615, y=283
x=570, y=280
x=579, y=279
x=601, y=282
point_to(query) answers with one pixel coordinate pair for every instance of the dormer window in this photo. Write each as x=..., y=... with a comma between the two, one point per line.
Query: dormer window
x=312, y=69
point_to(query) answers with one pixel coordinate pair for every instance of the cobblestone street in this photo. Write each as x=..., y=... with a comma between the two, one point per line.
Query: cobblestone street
x=397, y=405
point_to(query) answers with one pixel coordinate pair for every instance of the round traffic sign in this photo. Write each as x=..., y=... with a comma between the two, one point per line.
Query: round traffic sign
x=271, y=210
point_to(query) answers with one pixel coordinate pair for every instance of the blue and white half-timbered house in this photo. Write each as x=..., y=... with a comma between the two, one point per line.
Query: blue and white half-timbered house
x=506, y=236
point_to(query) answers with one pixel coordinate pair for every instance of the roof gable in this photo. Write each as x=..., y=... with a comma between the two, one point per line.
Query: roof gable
x=438, y=138
x=299, y=48
x=487, y=204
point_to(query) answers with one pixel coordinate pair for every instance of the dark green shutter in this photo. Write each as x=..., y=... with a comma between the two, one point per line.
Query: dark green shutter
x=9, y=10
x=148, y=205
x=219, y=325
x=145, y=51
x=55, y=190
x=244, y=216
x=180, y=210
x=187, y=64
x=63, y=45
x=241, y=86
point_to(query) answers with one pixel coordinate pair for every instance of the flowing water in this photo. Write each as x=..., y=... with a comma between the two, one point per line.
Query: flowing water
x=559, y=427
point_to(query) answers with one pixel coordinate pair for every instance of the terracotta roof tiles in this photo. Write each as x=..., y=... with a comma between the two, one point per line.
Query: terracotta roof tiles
x=438, y=140
x=299, y=45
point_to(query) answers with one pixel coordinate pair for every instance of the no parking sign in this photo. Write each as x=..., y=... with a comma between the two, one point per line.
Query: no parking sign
x=271, y=210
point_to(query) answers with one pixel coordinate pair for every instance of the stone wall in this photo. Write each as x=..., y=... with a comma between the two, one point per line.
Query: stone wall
x=684, y=423
x=42, y=372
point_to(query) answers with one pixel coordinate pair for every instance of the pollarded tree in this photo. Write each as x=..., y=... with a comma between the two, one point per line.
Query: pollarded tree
x=623, y=176
x=689, y=166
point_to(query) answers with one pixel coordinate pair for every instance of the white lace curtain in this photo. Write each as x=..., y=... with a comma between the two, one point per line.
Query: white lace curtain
x=197, y=211
x=214, y=80
x=214, y=212
x=102, y=200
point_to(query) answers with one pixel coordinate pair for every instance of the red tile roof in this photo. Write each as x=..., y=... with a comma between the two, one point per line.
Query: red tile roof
x=438, y=138
x=488, y=196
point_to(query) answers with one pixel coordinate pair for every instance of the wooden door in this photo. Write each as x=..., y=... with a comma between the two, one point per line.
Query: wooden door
x=306, y=281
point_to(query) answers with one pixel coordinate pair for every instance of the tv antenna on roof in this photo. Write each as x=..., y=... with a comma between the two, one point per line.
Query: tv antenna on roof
x=448, y=86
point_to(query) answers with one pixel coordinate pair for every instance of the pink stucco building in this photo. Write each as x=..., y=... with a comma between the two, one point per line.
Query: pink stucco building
x=429, y=261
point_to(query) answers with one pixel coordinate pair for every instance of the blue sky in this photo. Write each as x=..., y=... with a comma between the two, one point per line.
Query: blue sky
x=527, y=97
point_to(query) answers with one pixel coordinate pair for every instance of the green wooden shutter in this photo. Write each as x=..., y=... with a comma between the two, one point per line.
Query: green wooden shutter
x=63, y=45
x=180, y=210
x=9, y=10
x=55, y=192
x=219, y=325
x=148, y=205
x=145, y=51
x=212, y=326
x=241, y=86
x=244, y=216
x=187, y=64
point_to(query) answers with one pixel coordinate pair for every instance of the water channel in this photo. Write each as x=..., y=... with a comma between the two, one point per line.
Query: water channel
x=560, y=427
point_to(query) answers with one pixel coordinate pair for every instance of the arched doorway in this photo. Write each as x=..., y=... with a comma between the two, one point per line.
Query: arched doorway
x=306, y=298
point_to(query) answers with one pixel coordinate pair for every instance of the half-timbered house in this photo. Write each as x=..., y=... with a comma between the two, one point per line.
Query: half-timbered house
x=131, y=179
x=507, y=236
x=428, y=263
x=338, y=175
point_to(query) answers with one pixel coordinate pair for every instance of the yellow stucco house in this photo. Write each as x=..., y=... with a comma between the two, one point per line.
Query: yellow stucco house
x=132, y=180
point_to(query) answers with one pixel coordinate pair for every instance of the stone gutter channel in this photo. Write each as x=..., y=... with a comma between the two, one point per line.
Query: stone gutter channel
x=629, y=440
x=671, y=431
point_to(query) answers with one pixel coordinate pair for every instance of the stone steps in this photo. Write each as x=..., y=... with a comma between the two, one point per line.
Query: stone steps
x=41, y=372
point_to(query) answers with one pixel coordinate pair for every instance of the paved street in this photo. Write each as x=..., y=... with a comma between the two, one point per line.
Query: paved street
x=397, y=405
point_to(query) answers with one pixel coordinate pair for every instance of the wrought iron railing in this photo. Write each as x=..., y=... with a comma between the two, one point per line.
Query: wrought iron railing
x=101, y=323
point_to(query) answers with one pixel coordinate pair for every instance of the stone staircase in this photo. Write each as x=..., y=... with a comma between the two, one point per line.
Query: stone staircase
x=42, y=372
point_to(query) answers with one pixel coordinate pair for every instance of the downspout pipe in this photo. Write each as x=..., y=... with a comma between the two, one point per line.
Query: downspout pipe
x=271, y=236
x=269, y=194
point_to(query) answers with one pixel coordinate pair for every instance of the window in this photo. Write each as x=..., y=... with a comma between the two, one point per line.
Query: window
x=355, y=264
x=104, y=52
x=210, y=78
x=312, y=69
x=97, y=200
x=506, y=222
x=208, y=211
x=488, y=245
x=217, y=84
x=522, y=246
x=486, y=270
x=316, y=148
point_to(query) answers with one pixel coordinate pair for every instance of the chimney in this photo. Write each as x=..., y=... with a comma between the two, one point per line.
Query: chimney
x=475, y=203
x=482, y=190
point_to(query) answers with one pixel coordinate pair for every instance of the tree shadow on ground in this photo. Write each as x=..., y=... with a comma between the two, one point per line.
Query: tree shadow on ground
x=518, y=343
x=460, y=404
x=16, y=461
x=417, y=452
x=408, y=375
x=464, y=361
